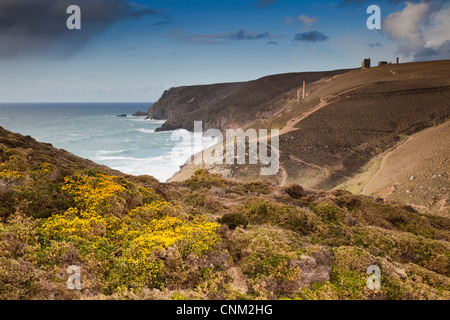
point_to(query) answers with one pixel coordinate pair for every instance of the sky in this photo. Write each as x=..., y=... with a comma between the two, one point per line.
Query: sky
x=133, y=50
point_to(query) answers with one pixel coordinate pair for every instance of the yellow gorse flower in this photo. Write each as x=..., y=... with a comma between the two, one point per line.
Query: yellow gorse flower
x=91, y=192
x=139, y=235
x=44, y=169
x=10, y=175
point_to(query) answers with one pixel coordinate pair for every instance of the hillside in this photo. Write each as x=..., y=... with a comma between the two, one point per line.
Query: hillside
x=349, y=120
x=203, y=238
x=230, y=105
x=415, y=171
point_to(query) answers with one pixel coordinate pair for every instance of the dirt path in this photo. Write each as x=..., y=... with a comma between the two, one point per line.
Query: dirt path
x=306, y=162
x=289, y=127
x=284, y=176
x=239, y=280
x=382, y=165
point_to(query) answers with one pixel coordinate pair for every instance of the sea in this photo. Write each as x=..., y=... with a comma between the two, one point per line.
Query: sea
x=95, y=132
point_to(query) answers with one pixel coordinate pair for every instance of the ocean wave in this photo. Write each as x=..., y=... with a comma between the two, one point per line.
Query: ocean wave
x=77, y=135
x=105, y=152
x=143, y=119
x=114, y=158
x=144, y=130
x=161, y=167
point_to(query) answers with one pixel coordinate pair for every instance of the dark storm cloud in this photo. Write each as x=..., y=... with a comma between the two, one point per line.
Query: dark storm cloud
x=310, y=36
x=31, y=26
x=440, y=53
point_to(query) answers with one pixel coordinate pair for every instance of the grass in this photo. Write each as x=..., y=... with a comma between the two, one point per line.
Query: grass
x=357, y=184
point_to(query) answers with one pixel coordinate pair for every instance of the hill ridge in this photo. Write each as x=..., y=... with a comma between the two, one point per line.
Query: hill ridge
x=347, y=120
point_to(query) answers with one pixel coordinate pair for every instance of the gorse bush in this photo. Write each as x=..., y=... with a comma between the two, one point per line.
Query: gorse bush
x=205, y=238
x=142, y=250
x=41, y=171
x=234, y=220
x=203, y=179
x=94, y=192
x=263, y=211
x=329, y=212
x=265, y=254
x=15, y=162
x=141, y=235
x=10, y=175
x=13, y=166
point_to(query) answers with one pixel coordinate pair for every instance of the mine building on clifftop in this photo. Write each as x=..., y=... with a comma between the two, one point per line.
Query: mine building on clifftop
x=365, y=64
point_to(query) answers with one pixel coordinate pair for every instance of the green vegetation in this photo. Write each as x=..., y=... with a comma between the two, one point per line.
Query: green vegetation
x=135, y=238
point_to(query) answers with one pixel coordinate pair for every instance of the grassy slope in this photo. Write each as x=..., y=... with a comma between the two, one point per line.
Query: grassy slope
x=206, y=237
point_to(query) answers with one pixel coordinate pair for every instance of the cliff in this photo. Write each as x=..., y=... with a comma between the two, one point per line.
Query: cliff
x=230, y=105
x=344, y=134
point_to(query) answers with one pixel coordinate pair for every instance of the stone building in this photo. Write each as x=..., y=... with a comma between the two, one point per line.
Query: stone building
x=365, y=64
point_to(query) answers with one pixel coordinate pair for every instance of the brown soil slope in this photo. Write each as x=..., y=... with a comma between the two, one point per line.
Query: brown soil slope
x=414, y=172
x=386, y=104
x=349, y=119
x=228, y=105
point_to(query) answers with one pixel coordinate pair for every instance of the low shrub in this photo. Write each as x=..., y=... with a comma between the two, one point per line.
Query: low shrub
x=295, y=191
x=203, y=179
x=264, y=211
x=234, y=220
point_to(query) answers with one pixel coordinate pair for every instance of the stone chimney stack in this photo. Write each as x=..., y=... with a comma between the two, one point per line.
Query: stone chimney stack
x=398, y=60
x=301, y=93
x=304, y=90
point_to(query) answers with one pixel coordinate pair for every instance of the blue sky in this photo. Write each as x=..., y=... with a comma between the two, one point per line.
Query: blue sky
x=131, y=51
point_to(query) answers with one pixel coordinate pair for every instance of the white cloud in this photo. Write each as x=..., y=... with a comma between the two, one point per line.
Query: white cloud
x=406, y=25
x=421, y=30
x=439, y=30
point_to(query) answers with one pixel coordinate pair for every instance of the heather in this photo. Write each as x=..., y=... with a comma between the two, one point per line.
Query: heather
x=205, y=238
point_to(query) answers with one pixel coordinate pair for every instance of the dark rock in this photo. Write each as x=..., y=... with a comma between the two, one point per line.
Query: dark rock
x=140, y=114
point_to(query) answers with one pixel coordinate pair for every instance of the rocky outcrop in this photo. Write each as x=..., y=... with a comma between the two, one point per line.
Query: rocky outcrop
x=184, y=105
x=140, y=114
